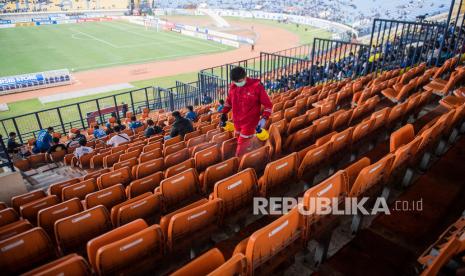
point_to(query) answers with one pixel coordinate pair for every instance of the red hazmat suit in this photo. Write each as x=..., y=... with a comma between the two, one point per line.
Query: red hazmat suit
x=246, y=102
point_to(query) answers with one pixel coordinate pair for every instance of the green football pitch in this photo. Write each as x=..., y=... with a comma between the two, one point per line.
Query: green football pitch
x=92, y=45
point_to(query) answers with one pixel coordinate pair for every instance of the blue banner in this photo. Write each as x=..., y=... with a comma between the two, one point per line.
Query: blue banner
x=22, y=79
x=2, y=21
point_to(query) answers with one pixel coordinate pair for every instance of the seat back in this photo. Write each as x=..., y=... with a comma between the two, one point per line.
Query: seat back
x=119, y=176
x=177, y=157
x=129, y=163
x=296, y=123
x=400, y=137
x=272, y=239
x=174, y=148
x=29, y=210
x=46, y=217
x=149, y=167
x=236, y=265
x=217, y=172
x=362, y=130
x=73, y=232
x=111, y=236
x=147, y=208
x=203, y=264
x=19, y=200
x=184, y=225
x=150, y=155
x=278, y=174
x=94, y=174
x=8, y=216
x=373, y=175
x=142, y=185
x=290, y=113
x=79, y=190
x=380, y=118
x=180, y=188
x=111, y=159
x=300, y=139
x=25, y=251
x=129, y=155
x=152, y=146
x=71, y=264
x=396, y=113
x=207, y=157
x=174, y=170
x=236, y=191
x=130, y=253
x=341, y=120
x=335, y=187
x=313, y=159
x=107, y=197
x=256, y=159
x=323, y=125
x=221, y=137
x=228, y=148
x=341, y=140
x=194, y=141
x=56, y=188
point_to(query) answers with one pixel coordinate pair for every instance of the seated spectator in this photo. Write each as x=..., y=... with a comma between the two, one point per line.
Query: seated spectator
x=112, y=119
x=134, y=123
x=12, y=145
x=57, y=146
x=121, y=126
x=98, y=132
x=181, y=125
x=152, y=129
x=82, y=149
x=44, y=140
x=109, y=129
x=206, y=99
x=220, y=107
x=191, y=115
x=74, y=136
x=119, y=137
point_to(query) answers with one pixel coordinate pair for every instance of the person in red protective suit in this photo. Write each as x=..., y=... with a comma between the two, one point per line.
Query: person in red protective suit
x=246, y=97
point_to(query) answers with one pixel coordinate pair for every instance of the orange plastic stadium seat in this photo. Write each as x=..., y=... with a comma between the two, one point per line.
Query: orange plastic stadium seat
x=371, y=178
x=191, y=226
x=340, y=142
x=396, y=114
x=29, y=210
x=296, y=123
x=207, y=128
x=401, y=137
x=216, y=172
x=79, y=190
x=138, y=148
x=362, y=130
x=111, y=159
x=228, y=148
x=56, y=188
x=278, y=174
x=115, y=209
x=8, y=216
x=19, y=200
x=150, y=155
x=107, y=197
x=194, y=141
x=94, y=174
x=119, y=148
x=290, y=113
x=313, y=114
x=236, y=191
x=97, y=160
x=341, y=119
x=267, y=247
x=212, y=133
x=191, y=135
x=46, y=217
x=177, y=157
x=142, y=185
x=25, y=251
x=137, y=251
x=256, y=159
x=3, y=205
x=37, y=160
x=207, y=157
x=174, y=170
x=396, y=96
x=73, y=232
x=152, y=146
x=180, y=190
x=173, y=148
x=236, y=265
x=300, y=139
x=148, y=208
x=129, y=155
x=130, y=163
x=147, y=168
x=203, y=264
x=315, y=159
x=14, y=228
x=323, y=125
x=120, y=176
x=280, y=125
x=84, y=160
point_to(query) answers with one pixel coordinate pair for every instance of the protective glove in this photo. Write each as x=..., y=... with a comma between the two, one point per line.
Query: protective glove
x=261, y=123
x=224, y=119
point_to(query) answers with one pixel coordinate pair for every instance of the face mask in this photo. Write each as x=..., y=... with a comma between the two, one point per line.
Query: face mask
x=240, y=84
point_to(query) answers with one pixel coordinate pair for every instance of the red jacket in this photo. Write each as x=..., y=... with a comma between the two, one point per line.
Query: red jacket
x=246, y=102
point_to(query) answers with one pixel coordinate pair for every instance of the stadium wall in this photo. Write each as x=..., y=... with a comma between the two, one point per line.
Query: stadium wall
x=331, y=26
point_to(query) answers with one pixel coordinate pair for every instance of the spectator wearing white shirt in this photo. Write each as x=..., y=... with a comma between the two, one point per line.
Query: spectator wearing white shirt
x=82, y=149
x=118, y=138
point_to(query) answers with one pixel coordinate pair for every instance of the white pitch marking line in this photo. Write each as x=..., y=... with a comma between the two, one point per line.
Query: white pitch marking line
x=97, y=39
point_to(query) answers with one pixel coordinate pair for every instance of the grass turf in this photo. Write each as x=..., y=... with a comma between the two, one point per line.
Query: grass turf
x=92, y=45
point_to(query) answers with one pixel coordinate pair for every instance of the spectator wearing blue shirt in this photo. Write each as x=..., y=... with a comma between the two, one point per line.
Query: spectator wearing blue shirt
x=220, y=107
x=207, y=99
x=191, y=115
x=44, y=140
x=98, y=132
x=134, y=123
